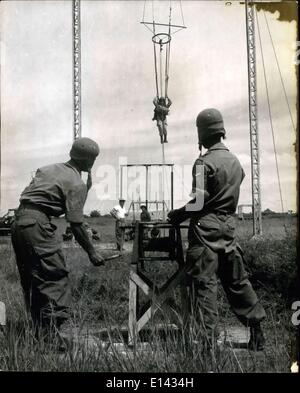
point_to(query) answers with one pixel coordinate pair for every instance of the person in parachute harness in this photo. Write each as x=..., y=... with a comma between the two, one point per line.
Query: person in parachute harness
x=213, y=250
x=55, y=190
x=161, y=111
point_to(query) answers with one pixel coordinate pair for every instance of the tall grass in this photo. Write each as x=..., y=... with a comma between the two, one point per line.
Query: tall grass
x=100, y=301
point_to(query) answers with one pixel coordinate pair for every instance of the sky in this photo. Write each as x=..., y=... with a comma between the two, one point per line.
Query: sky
x=208, y=68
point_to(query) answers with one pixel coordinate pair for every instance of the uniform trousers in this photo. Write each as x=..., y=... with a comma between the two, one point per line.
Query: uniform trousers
x=42, y=268
x=214, y=253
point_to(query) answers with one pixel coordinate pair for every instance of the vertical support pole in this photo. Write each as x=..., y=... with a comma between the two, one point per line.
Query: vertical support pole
x=172, y=187
x=147, y=167
x=121, y=181
x=76, y=70
x=0, y=139
x=183, y=283
x=133, y=289
x=133, y=207
x=0, y=156
x=141, y=248
x=254, y=135
x=133, y=293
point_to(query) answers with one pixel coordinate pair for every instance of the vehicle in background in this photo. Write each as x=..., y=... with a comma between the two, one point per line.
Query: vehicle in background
x=6, y=221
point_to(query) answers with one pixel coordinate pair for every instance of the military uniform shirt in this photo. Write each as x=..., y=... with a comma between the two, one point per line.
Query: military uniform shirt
x=145, y=216
x=223, y=175
x=58, y=189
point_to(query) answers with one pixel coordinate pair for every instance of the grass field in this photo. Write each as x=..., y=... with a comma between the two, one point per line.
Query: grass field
x=100, y=301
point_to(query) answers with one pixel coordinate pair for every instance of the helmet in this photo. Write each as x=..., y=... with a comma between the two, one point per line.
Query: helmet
x=84, y=148
x=210, y=122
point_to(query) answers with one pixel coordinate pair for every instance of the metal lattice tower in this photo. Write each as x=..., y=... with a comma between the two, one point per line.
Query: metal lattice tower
x=76, y=70
x=254, y=140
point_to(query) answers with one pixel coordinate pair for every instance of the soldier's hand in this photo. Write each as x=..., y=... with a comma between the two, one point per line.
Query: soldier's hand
x=171, y=215
x=97, y=259
x=174, y=217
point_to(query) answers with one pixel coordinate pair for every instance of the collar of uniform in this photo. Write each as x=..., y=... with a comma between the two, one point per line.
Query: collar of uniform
x=70, y=165
x=218, y=146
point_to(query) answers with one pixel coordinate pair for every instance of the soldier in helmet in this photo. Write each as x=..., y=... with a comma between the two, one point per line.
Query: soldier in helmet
x=161, y=111
x=55, y=190
x=213, y=250
x=145, y=215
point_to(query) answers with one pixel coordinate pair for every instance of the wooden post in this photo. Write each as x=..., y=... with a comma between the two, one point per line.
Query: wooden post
x=157, y=297
x=2, y=314
x=121, y=181
x=183, y=283
x=147, y=187
x=133, y=290
x=172, y=188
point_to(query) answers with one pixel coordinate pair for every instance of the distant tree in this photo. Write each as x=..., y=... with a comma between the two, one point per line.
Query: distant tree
x=268, y=212
x=95, y=213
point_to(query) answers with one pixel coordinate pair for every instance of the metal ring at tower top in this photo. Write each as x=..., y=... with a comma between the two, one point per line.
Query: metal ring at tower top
x=161, y=38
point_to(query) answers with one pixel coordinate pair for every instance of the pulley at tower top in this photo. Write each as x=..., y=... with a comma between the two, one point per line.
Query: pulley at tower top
x=163, y=19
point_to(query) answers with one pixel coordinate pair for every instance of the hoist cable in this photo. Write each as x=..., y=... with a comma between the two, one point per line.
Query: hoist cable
x=280, y=74
x=144, y=10
x=167, y=65
x=181, y=13
x=155, y=66
x=269, y=110
x=160, y=69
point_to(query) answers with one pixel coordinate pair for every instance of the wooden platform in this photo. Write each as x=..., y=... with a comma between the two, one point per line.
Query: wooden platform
x=145, y=250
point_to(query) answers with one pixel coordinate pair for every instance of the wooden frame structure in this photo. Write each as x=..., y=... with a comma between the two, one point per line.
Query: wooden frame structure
x=172, y=244
x=241, y=210
x=147, y=166
x=135, y=207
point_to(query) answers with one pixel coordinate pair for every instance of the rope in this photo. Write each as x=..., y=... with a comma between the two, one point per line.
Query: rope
x=155, y=66
x=181, y=13
x=281, y=78
x=269, y=110
x=167, y=66
x=166, y=73
x=153, y=15
x=160, y=67
x=163, y=177
x=170, y=14
x=154, y=49
x=144, y=10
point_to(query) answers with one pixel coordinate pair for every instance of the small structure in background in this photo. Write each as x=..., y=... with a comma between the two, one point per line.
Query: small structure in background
x=92, y=232
x=6, y=221
x=158, y=208
x=242, y=215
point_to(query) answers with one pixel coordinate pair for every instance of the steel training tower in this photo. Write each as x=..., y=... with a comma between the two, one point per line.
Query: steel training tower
x=254, y=135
